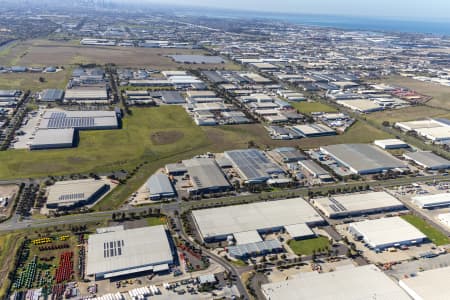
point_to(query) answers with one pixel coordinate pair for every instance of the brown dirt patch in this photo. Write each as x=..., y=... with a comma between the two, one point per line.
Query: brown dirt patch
x=166, y=137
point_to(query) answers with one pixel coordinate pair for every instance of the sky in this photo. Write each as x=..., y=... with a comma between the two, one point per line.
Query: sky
x=406, y=9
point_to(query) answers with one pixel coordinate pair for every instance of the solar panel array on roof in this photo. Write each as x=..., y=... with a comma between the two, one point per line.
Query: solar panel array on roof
x=81, y=120
x=72, y=196
x=252, y=164
x=112, y=248
x=63, y=122
x=337, y=206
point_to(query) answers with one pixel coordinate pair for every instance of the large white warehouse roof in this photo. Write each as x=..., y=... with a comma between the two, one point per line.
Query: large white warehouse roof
x=128, y=251
x=222, y=221
x=432, y=284
x=357, y=283
x=387, y=232
x=430, y=201
x=352, y=204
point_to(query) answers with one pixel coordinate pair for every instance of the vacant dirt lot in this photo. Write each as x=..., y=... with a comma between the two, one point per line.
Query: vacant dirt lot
x=166, y=137
x=44, y=52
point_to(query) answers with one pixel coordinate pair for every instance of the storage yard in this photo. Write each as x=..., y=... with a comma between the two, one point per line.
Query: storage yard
x=49, y=262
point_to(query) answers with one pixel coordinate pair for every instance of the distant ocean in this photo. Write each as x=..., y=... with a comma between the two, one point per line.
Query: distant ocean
x=342, y=22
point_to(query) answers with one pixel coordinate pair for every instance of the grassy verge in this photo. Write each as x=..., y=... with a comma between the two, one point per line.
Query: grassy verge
x=434, y=235
x=154, y=221
x=238, y=263
x=310, y=246
x=9, y=244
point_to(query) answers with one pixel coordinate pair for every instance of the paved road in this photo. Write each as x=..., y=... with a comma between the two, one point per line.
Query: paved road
x=419, y=212
x=219, y=260
x=169, y=208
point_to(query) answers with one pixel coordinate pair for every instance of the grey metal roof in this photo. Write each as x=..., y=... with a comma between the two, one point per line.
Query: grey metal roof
x=363, y=158
x=52, y=95
x=252, y=164
x=176, y=168
x=222, y=221
x=342, y=205
x=68, y=192
x=172, y=97
x=197, y=59
x=290, y=154
x=205, y=174
x=214, y=77
x=428, y=159
x=258, y=247
x=47, y=137
x=159, y=184
x=313, y=167
x=8, y=93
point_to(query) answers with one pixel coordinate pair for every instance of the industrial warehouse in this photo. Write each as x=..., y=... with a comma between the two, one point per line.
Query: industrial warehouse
x=218, y=223
x=205, y=176
x=59, y=129
x=435, y=130
x=349, y=283
x=75, y=193
x=390, y=144
x=428, y=160
x=252, y=165
x=51, y=95
x=432, y=201
x=357, y=204
x=363, y=159
x=384, y=233
x=81, y=120
x=160, y=187
x=122, y=252
x=430, y=284
x=53, y=139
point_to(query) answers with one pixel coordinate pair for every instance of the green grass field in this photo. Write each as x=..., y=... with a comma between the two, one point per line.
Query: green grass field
x=436, y=236
x=30, y=81
x=103, y=151
x=309, y=107
x=308, y=247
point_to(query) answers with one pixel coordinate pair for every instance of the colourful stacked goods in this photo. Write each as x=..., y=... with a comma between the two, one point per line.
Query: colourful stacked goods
x=65, y=268
x=42, y=241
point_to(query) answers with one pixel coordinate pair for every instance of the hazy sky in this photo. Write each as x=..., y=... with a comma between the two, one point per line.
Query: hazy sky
x=418, y=9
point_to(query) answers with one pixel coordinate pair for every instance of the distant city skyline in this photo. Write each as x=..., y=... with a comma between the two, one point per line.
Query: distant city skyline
x=418, y=9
